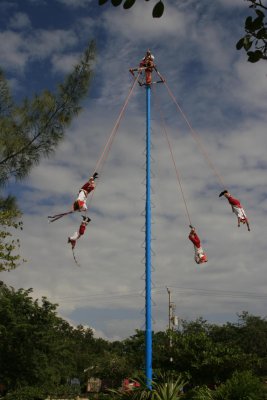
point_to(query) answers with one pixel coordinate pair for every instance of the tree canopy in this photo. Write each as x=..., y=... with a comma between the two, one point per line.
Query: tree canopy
x=10, y=219
x=31, y=131
x=255, y=40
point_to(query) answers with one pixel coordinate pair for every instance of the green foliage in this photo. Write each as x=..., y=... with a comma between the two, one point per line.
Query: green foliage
x=40, y=350
x=209, y=354
x=200, y=393
x=36, y=346
x=157, y=11
x=34, y=129
x=241, y=386
x=255, y=40
x=168, y=388
x=26, y=393
x=10, y=219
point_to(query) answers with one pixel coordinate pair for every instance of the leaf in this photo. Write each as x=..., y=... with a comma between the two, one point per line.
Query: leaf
x=240, y=44
x=262, y=33
x=248, y=22
x=128, y=4
x=254, y=56
x=158, y=10
x=257, y=24
x=247, y=43
x=101, y=2
x=116, y=3
x=260, y=13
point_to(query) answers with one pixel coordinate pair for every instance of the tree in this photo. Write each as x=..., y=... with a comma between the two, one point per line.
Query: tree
x=34, y=348
x=34, y=129
x=10, y=218
x=205, y=357
x=255, y=40
x=241, y=386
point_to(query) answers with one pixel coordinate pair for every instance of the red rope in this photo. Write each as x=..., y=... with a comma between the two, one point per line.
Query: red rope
x=197, y=139
x=173, y=160
x=103, y=157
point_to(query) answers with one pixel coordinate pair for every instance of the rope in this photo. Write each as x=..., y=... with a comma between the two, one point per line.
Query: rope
x=103, y=157
x=173, y=160
x=107, y=147
x=75, y=259
x=197, y=139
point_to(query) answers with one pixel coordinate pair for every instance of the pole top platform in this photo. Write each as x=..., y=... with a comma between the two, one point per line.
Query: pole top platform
x=144, y=72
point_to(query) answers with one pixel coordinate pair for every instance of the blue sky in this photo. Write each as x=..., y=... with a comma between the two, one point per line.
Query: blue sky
x=224, y=98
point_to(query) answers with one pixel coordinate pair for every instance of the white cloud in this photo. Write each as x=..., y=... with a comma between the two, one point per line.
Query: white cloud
x=137, y=23
x=45, y=43
x=20, y=20
x=12, y=52
x=17, y=50
x=65, y=62
x=75, y=3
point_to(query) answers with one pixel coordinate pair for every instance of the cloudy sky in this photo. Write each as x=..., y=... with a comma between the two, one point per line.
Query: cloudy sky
x=223, y=97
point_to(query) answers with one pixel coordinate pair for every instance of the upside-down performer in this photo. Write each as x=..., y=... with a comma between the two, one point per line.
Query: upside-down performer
x=80, y=203
x=72, y=239
x=236, y=208
x=88, y=187
x=200, y=256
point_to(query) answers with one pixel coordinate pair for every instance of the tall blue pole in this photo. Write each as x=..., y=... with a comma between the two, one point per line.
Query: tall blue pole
x=148, y=247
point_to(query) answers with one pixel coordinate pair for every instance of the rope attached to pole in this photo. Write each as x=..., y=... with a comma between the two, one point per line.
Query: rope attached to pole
x=103, y=157
x=197, y=139
x=173, y=160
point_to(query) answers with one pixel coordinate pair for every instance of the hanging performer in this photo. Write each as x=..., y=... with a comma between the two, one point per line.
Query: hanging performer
x=148, y=63
x=72, y=239
x=200, y=256
x=236, y=208
x=80, y=202
x=88, y=187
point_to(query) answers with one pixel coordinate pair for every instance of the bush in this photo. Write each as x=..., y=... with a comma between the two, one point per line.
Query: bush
x=26, y=393
x=241, y=386
x=200, y=393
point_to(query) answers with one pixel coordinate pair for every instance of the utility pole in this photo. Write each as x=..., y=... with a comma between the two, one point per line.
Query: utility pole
x=172, y=321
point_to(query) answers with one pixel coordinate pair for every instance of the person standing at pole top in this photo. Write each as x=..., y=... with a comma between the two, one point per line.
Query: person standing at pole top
x=148, y=63
x=236, y=208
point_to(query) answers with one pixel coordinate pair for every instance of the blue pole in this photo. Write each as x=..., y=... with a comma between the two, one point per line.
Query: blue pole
x=148, y=248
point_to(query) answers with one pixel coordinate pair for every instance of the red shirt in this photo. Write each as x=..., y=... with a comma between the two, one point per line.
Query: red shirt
x=234, y=202
x=88, y=186
x=195, y=240
x=82, y=229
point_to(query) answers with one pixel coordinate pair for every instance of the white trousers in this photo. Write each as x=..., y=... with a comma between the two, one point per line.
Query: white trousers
x=75, y=236
x=82, y=197
x=239, y=212
x=199, y=253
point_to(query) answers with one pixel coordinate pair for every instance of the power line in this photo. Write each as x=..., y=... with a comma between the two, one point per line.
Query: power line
x=186, y=291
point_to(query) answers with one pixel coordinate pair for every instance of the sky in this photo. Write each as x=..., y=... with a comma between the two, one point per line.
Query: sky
x=222, y=96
